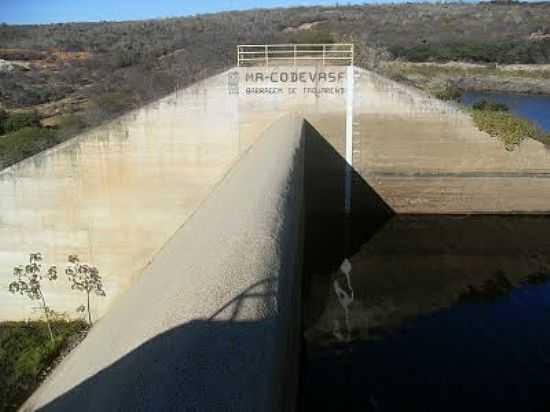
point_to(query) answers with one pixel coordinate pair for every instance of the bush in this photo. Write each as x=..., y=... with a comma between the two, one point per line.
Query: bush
x=25, y=354
x=113, y=103
x=491, y=106
x=25, y=142
x=449, y=93
x=501, y=51
x=312, y=37
x=510, y=129
x=70, y=124
x=19, y=120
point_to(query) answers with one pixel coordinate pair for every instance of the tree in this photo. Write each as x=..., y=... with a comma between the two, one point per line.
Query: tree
x=28, y=284
x=86, y=279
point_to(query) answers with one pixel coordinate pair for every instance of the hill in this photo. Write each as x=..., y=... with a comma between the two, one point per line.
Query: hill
x=94, y=71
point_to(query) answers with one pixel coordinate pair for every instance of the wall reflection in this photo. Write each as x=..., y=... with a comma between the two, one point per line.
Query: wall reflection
x=416, y=265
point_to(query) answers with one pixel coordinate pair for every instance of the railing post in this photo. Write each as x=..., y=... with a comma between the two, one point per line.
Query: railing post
x=350, y=79
x=341, y=53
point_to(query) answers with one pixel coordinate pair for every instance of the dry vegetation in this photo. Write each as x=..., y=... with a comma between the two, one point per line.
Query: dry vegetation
x=496, y=120
x=98, y=70
x=27, y=355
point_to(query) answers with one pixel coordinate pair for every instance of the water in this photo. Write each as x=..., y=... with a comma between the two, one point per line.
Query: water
x=438, y=313
x=535, y=108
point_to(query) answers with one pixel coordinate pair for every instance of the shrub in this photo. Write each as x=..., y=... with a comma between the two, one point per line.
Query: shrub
x=112, y=103
x=507, y=127
x=491, y=106
x=449, y=93
x=24, y=143
x=70, y=124
x=19, y=120
x=317, y=36
x=501, y=51
x=26, y=352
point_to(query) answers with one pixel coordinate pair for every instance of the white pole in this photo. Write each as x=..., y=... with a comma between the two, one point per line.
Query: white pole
x=349, y=136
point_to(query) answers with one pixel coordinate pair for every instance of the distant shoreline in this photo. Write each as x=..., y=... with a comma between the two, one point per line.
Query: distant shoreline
x=525, y=79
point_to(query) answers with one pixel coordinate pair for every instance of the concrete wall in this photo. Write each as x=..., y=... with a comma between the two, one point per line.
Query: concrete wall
x=424, y=156
x=116, y=194
x=420, y=154
x=213, y=322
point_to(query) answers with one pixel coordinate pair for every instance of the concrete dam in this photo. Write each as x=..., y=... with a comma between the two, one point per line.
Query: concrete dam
x=193, y=208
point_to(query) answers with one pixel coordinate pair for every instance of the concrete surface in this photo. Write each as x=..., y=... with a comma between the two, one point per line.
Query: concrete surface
x=213, y=260
x=424, y=156
x=212, y=324
x=420, y=154
x=116, y=194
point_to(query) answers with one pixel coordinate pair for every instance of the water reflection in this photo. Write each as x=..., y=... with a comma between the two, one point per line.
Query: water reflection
x=418, y=265
x=439, y=313
x=344, y=292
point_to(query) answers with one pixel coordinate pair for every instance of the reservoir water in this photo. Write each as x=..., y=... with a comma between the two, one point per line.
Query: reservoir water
x=419, y=312
x=432, y=313
x=535, y=108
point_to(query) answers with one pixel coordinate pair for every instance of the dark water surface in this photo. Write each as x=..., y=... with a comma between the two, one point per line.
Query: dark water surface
x=438, y=313
x=535, y=108
x=430, y=313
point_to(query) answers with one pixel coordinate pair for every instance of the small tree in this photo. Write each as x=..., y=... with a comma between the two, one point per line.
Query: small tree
x=84, y=278
x=28, y=284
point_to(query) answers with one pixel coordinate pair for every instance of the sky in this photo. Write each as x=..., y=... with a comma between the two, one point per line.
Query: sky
x=56, y=11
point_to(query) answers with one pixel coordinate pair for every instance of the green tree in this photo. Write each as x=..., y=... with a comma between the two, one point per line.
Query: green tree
x=28, y=283
x=85, y=279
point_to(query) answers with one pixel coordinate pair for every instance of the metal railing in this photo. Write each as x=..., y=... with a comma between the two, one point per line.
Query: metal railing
x=337, y=54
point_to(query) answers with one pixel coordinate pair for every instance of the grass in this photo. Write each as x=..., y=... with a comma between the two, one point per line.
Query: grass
x=507, y=127
x=25, y=355
x=25, y=142
x=19, y=120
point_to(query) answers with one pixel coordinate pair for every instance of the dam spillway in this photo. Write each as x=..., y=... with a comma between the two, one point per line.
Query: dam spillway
x=196, y=201
x=117, y=193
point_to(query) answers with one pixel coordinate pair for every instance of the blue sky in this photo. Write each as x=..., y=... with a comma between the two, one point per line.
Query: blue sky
x=53, y=11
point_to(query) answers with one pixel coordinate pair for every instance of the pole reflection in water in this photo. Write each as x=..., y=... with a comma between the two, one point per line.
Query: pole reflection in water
x=344, y=293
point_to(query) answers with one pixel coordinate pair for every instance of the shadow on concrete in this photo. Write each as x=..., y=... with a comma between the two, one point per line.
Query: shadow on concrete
x=214, y=364
x=331, y=235
x=227, y=362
